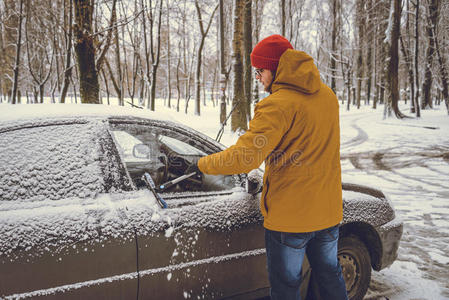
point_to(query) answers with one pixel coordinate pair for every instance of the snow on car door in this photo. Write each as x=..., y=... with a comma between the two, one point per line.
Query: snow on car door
x=209, y=242
x=59, y=236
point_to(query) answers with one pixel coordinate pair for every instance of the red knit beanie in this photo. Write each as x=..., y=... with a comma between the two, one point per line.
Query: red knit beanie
x=267, y=52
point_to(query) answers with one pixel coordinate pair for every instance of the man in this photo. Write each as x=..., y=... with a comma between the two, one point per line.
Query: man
x=295, y=130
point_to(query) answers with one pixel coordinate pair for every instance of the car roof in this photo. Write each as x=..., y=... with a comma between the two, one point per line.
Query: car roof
x=30, y=115
x=26, y=113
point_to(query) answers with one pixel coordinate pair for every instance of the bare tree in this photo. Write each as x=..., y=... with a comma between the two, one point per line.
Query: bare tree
x=393, y=60
x=85, y=49
x=40, y=61
x=333, y=54
x=68, y=48
x=152, y=66
x=257, y=19
x=361, y=31
x=116, y=74
x=432, y=19
x=204, y=33
x=247, y=48
x=405, y=49
x=17, y=60
x=369, y=48
x=168, y=56
x=443, y=72
x=223, y=74
x=238, y=120
x=417, y=106
x=283, y=20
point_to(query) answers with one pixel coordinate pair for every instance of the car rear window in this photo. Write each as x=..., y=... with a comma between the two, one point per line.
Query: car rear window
x=50, y=163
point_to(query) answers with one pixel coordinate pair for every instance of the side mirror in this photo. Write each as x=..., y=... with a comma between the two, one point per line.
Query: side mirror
x=141, y=151
x=254, y=182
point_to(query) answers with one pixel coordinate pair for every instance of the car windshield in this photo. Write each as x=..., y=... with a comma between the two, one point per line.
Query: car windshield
x=165, y=154
x=180, y=147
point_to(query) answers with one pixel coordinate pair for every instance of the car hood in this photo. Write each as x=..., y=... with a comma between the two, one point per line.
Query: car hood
x=366, y=204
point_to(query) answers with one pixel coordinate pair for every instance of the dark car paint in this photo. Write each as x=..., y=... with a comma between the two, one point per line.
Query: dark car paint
x=111, y=269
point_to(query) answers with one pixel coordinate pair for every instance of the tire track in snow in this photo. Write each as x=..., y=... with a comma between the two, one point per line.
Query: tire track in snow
x=378, y=161
x=355, y=161
x=357, y=140
x=424, y=165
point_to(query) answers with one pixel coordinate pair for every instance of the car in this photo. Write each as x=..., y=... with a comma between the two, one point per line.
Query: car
x=94, y=204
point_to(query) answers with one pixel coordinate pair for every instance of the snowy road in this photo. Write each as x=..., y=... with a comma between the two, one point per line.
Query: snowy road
x=409, y=161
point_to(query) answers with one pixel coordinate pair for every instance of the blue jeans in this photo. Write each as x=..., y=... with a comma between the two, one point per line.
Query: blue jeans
x=285, y=254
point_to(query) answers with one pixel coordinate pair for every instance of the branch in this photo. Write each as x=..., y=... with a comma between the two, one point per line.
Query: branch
x=200, y=21
x=108, y=37
x=211, y=18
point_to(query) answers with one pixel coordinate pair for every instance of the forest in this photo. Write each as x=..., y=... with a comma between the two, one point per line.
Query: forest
x=196, y=52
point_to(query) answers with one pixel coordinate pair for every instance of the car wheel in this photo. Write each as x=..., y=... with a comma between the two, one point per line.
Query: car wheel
x=355, y=262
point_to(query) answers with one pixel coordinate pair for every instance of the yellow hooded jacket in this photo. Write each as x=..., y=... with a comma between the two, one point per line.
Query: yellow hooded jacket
x=296, y=132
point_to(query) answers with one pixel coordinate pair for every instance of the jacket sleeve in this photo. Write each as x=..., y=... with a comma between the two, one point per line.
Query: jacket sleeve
x=265, y=131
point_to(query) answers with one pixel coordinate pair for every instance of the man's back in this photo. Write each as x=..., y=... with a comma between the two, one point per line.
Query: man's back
x=302, y=178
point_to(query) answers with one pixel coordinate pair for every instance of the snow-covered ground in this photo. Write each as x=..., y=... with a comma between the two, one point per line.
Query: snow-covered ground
x=407, y=159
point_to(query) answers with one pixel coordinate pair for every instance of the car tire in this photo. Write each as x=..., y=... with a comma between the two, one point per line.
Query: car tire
x=355, y=262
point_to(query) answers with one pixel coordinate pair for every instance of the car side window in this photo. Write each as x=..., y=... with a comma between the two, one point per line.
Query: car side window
x=165, y=155
x=51, y=162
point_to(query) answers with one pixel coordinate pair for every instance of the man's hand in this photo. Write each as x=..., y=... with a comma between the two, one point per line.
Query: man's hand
x=193, y=167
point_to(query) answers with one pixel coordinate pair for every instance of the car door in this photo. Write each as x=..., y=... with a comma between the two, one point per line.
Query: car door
x=209, y=242
x=60, y=232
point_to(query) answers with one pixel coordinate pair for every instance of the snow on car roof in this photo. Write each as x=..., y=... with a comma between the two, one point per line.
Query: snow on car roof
x=29, y=112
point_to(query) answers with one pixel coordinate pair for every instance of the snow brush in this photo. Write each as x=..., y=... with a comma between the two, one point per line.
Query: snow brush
x=152, y=187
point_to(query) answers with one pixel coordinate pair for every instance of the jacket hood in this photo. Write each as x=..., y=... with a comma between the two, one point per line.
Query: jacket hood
x=298, y=72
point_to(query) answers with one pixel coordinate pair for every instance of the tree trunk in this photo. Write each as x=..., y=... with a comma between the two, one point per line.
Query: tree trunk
x=68, y=67
x=432, y=19
x=282, y=9
x=9, y=24
x=369, y=41
x=197, y=79
x=417, y=106
x=189, y=83
x=348, y=85
x=443, y=74
x=178, y=88
x=238, y=120
x=247, y=47
x=118, y=70
x=204, y=33
x=106, y=85
x=360, y=30
x=408, y=62
x=17, y=61
x=333, y=61
x=393, y=62
x=85, y=52
x=155, y=60
x=168, y=56
x=223, y=76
